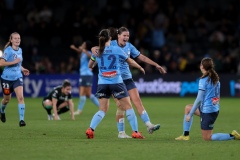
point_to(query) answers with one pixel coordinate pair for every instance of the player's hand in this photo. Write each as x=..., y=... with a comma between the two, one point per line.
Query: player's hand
x=56, y=117
x=94, y=51
x=17, y=60
x=188, y=118
x=26, y=72
x=72, y=46
x=142, y=70
x=161, y=69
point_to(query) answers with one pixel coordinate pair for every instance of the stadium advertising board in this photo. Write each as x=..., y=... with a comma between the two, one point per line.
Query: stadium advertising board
x=148, y=85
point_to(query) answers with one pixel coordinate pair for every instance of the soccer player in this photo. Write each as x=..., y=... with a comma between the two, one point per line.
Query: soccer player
x=121, y=37
x=206, y=106
x=12, y=76
x=86, y=76
x=60, y=100
x=110, y=83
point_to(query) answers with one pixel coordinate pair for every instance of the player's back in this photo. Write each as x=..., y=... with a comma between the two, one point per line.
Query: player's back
x=109, y=65
x=211, y=91
x=84, y=69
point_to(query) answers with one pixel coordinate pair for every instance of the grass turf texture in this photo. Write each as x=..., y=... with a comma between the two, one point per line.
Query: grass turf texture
x=65, y=139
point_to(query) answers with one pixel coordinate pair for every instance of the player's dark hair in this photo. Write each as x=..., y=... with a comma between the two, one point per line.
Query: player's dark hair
x=115, y=32
x=208, y=65
x=122, y=29
x=66, y=83
x=9, y=43
x=104, y=36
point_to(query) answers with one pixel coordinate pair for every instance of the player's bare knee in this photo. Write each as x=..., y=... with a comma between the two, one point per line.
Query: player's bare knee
x=188, y=108
x=20, y=99
x=5, y=101
x=206, y=137
x=120, y=112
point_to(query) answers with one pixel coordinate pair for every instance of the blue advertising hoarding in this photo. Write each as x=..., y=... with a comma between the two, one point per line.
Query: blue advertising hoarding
x=148, y=85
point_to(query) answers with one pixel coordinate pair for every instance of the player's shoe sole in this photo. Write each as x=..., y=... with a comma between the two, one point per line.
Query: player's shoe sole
x=182, y=138
x=123, y=135
x=236, y=135
x=153, y=128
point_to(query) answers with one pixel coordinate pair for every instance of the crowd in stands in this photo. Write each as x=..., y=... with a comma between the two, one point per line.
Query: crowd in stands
x=176, y=34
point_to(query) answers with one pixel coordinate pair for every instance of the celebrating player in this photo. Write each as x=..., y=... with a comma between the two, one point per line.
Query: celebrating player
x=12, y=78
x=206, y=106
x=110, y=83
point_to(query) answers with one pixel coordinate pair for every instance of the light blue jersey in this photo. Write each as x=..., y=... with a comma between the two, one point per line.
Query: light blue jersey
x=131, y=51
x=12, y=72
x=211, y=91
x=84, y=69
x=109, y=66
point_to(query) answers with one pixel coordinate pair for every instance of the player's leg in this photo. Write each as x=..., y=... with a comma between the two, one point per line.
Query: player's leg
x=47, y=105
x=135, y=98
x=92, y=97
x=97, y=118
x=103, y=93
x=5, y=101
x=62, y=107
x=207, y=124
x=187, y=125
x=21, y=105
x=120, y=120
x=120, y=92
x=7, y=90
x=131, y=117
x=82, y=100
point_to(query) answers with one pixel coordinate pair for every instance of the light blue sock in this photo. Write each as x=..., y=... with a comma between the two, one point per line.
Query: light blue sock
x=21, y=111
x=144, y=116
x=187, y=125
x=221, y=137
x=3, y=108
x=97, y=118
x=94, y=100
x=132, y=119
x=82, y=101
x=120, y=125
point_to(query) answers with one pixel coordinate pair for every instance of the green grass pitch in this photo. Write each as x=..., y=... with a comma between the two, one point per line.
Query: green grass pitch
x=65, y=139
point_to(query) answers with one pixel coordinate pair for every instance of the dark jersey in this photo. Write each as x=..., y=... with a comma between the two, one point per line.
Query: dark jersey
x=57, y=94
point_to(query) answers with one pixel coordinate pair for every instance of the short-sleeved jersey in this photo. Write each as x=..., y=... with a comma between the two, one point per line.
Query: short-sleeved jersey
x=109, y=66
x=57, y=94
x=12, y=72
x=84, y=69
x=131, y=51
x=211, y=91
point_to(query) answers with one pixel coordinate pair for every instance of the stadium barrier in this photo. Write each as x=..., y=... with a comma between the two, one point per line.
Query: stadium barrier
x=177, y=85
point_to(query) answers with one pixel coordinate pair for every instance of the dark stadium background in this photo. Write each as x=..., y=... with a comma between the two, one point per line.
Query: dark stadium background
x=177, y=34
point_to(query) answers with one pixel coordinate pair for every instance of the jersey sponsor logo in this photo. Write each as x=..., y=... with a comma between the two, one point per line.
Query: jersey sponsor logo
x=215, y=100
x=109, y=74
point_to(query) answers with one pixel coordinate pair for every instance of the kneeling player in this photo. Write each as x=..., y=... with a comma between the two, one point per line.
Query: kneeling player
x=60, y=100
